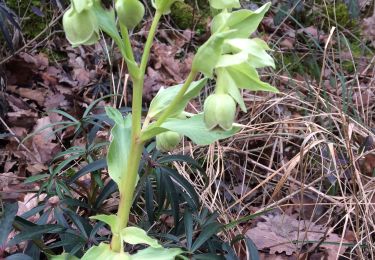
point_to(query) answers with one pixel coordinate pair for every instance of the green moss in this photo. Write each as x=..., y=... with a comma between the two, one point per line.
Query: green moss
x=339, y=12
x=186, y=15
x=31, y=24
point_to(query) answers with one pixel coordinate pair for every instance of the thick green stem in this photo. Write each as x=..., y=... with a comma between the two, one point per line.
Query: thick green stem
x=127, y=185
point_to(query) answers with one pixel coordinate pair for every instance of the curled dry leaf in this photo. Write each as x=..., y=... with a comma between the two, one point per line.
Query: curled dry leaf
x=283, y=233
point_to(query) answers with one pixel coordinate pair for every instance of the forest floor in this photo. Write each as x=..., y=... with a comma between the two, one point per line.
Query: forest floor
x=302, y=167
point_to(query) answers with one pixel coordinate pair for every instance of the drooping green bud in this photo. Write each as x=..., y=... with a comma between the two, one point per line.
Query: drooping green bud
x=219, y=112
x=82, y=5
x=130, y=12
x=81, y=28
x=167, y=141
x=164, y=6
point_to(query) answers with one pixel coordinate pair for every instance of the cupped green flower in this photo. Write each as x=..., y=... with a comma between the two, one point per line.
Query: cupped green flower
x=219, y=112
x=167, y=141
x=81, y=28
x=130, y=12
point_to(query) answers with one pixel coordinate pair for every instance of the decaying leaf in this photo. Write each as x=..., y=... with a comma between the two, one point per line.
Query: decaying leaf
x=283, y=233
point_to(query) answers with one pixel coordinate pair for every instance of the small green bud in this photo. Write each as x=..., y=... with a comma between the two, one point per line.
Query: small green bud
x=167, y=141
x=81, y=28
x=219, y=111
x=130, y=12
x=164, y=6
x=81, y=5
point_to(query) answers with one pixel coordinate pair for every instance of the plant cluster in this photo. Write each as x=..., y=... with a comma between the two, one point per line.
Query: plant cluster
x=229, y=58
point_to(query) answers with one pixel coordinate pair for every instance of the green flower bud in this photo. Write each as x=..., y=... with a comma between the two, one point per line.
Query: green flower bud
x=130, y=12
x=164, y=6
x=219, y=111
x=81, y=28
x=167, y=141
x=81, y=5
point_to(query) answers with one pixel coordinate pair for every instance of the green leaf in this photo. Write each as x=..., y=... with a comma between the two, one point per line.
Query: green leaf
x=242, y=22
x=157, y=254
x=110, y=220
x=245, y=22
x=35, y=232
x=255, y=49
x=165, y=96
x=221, y=4
x=118, y=152
x=135, y=235
x=115, y=115
x=245, y=76
x=189, y=228
x=63, y=256
x=36, y=178
x=103, y=252
x=228, y=60
x=193, y=127
x=6, y=222
x=208, y=231
x=209, y=53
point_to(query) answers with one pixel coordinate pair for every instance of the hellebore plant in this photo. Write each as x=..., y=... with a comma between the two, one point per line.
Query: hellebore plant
x=229, y=57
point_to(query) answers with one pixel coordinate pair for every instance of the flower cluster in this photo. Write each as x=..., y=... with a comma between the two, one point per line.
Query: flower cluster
x=232, y=58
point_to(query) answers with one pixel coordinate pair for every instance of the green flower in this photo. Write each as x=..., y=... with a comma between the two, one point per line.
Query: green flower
x=167, y=141
x=81, y=28
x=219, y=112
x=130, y=12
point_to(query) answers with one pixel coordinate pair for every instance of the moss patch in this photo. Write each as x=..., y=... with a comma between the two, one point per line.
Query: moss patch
x=186, y=15
x=31, y=24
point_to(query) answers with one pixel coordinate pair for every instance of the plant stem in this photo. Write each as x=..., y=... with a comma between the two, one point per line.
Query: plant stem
x=176, y=101
x=127, y=185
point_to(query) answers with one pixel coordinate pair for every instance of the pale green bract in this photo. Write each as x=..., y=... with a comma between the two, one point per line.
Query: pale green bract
x=221, y=4
x=63, y=256
x=110, y=220
x=119, y=148
x=208, y=54
x=165, y=96
x=193, y=127
x=103, y=252
x=164, y=6
x=242, y=22
x=135, y=235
